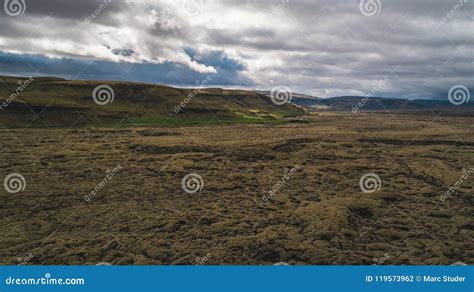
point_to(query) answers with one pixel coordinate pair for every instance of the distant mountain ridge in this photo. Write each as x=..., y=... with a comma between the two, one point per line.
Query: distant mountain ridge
x=364, y=103
x=57, y=102
x=361, y=103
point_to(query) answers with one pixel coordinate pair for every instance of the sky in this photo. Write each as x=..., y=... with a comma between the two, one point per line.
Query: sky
x=404, y=48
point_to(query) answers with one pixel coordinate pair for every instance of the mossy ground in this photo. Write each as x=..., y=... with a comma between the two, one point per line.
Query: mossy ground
x=318, y=216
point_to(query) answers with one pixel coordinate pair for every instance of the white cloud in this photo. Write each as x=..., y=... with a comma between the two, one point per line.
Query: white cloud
x=318, y=47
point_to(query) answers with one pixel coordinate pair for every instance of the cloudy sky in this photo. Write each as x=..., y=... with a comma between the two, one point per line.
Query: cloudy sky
x=320, y=47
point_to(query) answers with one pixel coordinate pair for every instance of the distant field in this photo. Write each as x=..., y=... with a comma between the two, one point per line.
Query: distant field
x=270, y=192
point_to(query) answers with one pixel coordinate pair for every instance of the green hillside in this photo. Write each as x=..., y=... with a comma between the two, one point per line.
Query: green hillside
x=52, y=102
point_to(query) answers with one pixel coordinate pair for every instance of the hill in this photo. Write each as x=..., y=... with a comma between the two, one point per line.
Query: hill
x=41, y=102
x=361, y=103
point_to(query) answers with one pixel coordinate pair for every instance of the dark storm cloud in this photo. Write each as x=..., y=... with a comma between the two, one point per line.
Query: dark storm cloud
x=167, y=73
x=319, y=47
x=71, y=9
